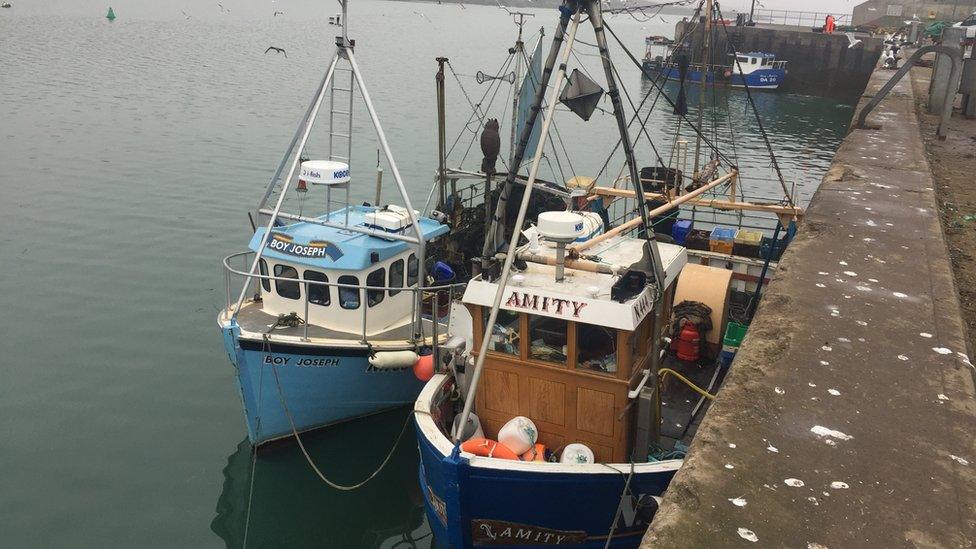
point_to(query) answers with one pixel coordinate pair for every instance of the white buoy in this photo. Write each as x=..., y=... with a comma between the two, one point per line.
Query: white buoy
x=577, y=453
x=519, y=434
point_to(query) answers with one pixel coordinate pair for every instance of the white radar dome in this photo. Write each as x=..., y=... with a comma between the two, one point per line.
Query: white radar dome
x=561, y=226
x=324, y=172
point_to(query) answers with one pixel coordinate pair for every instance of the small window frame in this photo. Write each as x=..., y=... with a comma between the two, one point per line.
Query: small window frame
x=375, y=297
x=265, y=282
x=282, y=287
x=313, y=291
x=397, y=275
x=413, y=270
x=345, y=293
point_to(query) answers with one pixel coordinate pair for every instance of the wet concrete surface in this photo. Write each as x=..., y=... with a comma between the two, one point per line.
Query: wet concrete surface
x=848, y=418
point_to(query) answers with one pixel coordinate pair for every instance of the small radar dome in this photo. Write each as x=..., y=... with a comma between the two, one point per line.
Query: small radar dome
x=561, y=226
x=325, y=172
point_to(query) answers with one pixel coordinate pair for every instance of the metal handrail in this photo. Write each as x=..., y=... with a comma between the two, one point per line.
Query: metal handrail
x=425, y=292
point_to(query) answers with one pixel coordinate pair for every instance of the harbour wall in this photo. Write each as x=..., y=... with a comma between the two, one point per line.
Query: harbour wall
x=847, y=417
x=818, y=64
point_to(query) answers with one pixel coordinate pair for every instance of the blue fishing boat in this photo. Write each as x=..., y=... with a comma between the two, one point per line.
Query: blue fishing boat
x=756, y=69
x=597, y=344
x=330, y=309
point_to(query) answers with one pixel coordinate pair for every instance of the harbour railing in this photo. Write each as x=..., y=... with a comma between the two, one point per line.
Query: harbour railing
x=435, y=303
x=793, y=18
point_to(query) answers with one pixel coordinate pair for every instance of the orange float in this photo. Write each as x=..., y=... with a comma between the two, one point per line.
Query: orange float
x=488, y=448
x=536, y=453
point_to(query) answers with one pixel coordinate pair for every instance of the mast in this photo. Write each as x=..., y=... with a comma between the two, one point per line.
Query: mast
x=517, y=89
x=704, y=79
x=441, y=135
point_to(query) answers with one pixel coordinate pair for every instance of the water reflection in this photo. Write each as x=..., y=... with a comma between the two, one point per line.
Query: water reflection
x=291, y=507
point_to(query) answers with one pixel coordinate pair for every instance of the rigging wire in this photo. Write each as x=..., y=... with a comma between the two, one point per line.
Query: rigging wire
x=698, y=131
x=762, y=130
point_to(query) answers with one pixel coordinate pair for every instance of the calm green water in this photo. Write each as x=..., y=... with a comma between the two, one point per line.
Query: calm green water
x=129, y=155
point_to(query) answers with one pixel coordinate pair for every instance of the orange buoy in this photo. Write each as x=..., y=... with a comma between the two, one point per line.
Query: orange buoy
x=536, y=453
x=424, y=367
x=488, y=448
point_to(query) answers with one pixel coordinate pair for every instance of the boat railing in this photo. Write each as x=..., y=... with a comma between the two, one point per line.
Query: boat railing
x=436, y=299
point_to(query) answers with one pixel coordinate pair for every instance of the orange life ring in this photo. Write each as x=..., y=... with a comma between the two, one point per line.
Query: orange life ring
x=536, y=453
x=488, y=448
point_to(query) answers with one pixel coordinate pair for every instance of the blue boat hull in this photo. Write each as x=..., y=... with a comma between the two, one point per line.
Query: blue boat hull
x=769, y=79
x=319, y=386
x=483, y=502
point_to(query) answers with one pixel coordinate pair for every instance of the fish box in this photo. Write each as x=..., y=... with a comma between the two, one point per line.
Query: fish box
x=747, y=243
x=721, y=240
x=680, y=230
x=697, y=239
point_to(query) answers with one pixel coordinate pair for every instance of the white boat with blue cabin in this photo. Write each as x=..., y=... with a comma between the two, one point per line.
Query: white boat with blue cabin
x=328, y=311
x=756, y=69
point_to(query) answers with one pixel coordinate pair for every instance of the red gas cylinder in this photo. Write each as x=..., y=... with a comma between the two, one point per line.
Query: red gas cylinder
x=688, y=343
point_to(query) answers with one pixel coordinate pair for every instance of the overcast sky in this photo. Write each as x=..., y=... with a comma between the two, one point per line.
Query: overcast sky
x=839, y=6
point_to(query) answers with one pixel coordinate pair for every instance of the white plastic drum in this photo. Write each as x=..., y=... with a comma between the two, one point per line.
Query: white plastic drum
x=576, y=453
x=324, y=172
x=519, y=434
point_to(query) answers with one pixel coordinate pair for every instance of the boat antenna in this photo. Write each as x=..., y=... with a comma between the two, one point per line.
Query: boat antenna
x=706, y=57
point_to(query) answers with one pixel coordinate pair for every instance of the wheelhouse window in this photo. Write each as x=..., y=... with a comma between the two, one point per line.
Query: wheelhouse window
x=317, y=293
x=376, y=278
x=349, y=297
x=413, y=270
x=265, y=283
x=396, y=276
x=504, y=337
x=742, y=59
x=548, y=338
x=596, y=348
x=286, y=288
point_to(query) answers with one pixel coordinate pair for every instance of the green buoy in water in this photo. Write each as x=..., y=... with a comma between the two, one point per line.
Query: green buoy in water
x=111, y=14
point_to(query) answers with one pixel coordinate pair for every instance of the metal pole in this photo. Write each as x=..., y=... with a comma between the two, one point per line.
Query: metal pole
x=421, y=245
x=441, y=135
x=704, y=79
x=310, y=121
x=513, y=167
x=595, y=12
x=526, y=196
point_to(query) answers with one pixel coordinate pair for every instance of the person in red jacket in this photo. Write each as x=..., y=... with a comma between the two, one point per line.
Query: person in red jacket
x=829, y=24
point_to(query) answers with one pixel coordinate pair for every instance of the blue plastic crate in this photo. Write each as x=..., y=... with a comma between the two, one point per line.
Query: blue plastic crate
x=681, y=229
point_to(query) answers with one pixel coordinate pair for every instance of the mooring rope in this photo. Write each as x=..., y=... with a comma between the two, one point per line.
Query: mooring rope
x=294, y=319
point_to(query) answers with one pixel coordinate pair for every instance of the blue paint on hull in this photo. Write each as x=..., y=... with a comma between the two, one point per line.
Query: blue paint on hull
x=544, y=502
x=321, y=386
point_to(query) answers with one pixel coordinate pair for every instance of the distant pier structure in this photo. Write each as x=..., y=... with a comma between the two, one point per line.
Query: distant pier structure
x=818, y=64
x=893, y=13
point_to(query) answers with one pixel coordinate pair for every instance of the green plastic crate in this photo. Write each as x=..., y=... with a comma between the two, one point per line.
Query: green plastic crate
x=734, y=334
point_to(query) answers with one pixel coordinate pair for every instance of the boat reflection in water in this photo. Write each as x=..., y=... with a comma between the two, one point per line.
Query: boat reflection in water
x=291, y=507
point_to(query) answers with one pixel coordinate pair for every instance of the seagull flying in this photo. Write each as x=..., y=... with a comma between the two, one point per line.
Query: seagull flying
x=851, y=40
x=422, y=15
x=276, y=50
x=277, y=13
x=185, y=14
x=222, y=8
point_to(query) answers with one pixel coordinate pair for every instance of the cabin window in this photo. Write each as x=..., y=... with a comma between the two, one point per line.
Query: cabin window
x=547, y=337
x=349, y=297
x=413, y=270
x=265, y=283
x=396, y=276
x=505, y=337
x=596, y=348
x=752, y=60
x=286, y=288
x=317, y=293
x=376, y=278
x=742, y=59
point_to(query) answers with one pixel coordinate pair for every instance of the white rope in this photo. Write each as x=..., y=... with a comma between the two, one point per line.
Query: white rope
x=308, y=458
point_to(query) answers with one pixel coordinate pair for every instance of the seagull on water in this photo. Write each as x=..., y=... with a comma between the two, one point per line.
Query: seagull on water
x=277, y=13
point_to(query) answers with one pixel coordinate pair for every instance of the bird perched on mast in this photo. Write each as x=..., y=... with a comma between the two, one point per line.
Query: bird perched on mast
x=491, y=144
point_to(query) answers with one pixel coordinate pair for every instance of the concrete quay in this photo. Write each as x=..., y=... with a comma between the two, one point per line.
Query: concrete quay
x=849, y=416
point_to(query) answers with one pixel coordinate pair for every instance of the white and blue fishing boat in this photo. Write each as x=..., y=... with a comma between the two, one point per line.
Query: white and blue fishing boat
x=326, y=313
x=755, y=70
x=597, y=347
